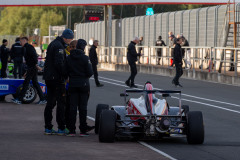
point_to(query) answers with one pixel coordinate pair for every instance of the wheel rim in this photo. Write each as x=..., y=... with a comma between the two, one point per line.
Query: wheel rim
x=30, y=94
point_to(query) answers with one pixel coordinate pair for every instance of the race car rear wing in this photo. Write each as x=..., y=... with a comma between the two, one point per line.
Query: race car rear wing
x=151, y=91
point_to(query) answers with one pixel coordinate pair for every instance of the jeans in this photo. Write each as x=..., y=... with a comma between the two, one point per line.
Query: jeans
x=179, y=73
x=95, y=73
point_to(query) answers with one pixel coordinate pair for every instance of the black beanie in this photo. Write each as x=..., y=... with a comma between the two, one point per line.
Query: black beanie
x=81, y=44
x=4, y=40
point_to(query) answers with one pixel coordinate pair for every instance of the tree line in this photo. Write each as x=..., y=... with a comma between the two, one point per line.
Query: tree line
x=23, y=20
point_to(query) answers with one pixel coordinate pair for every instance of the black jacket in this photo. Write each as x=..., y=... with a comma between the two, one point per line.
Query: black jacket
x=93, y=55
x=55, y=59
x=17, y=52
x=184, y=44
x=132, y=53
x=4, y=54
x=30, y=55
x=160, y=42
x=79, y=69
x=177, y=54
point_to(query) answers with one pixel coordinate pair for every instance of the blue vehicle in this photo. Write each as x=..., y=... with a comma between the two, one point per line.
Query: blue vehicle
x=14, y=86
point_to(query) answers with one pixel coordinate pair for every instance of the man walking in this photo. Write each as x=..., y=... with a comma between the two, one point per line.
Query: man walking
x=159, y=42
x=30, y=56
x=177, y=57
x=4, y=58
x=132, y=58
x=94, y=60
x=54, y=76
x=17, y=56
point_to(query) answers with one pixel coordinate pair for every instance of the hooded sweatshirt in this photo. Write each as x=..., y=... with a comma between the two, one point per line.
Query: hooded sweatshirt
x=79, y=69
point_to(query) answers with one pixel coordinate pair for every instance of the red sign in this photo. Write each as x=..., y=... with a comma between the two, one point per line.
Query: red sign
x=93, y=18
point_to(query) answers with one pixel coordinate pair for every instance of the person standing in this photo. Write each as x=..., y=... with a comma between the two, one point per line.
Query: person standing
x=177, y=57
x=54, y=75
x=4, y=58
x=132, y=58
x=172, y=39
x=140, y=49
x=31, y=59
x=17, y=56
x=79, y=69
x=159, y=42
x=94, y=60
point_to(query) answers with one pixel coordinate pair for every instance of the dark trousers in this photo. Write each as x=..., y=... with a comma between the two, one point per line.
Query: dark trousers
x=179, y=73
x=17, y=67
x=3, y=70
x=78, y=101
x=159, y=53
x=67, y=109
x=95, y=73
x=133, y=68
x=31, y=75
x=56, y=94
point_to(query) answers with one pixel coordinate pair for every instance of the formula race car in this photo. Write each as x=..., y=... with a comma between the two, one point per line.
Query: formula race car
x=148, y=117
x=14, y=86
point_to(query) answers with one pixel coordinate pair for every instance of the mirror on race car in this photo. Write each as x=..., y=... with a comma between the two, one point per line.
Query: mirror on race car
x=123, y=95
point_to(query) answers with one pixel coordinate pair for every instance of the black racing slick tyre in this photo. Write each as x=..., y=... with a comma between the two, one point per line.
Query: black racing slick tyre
x=30, y=96
x=99, y=109
x=195, y=127
x=107, y=126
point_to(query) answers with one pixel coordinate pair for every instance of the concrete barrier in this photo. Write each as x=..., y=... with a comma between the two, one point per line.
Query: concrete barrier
x=189, y=74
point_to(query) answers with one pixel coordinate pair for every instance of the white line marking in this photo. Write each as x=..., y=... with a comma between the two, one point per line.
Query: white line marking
x=145, y=144
x=183, y=99
x=156, y=150
x=206, y=99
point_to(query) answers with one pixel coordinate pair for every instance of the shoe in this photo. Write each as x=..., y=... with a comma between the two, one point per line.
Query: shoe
x=62, y=132
x=100, y=85
x=16, y=101
x=50, y=132
x=127, y=83
x=179, y=85
x=71, y=135
x=42, y=102
x=133, y=86
x=84, y=134
x=89, y=128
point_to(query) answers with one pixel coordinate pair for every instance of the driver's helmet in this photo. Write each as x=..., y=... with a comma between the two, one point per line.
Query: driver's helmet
x=148, y=86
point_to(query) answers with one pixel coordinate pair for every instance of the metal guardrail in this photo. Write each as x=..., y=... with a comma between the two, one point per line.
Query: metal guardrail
x=210, y=59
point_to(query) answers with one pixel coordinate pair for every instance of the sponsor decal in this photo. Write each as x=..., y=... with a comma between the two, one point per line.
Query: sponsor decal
x=4, y=87
x=43, y=89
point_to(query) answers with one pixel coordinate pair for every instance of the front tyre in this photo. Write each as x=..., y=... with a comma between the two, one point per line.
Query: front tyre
x=107, y=126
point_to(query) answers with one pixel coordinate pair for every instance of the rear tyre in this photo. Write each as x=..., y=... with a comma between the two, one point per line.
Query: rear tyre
x=195, y=127
x=30, y=95
x=99, y=109
x=107, y=126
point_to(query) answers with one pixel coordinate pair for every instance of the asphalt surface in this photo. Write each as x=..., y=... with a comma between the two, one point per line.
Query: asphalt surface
x=22, y=136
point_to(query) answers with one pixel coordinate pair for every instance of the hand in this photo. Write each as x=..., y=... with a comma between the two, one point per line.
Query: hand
x=24, y=76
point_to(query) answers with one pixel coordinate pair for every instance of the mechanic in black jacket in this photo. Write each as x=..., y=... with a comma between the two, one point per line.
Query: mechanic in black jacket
x=31, y=59
x=79, y=69
x=159, y=42
x=177, y=59
x=54, y=76
x=4, y=58
x=132, y=58
x=17, y=56
x=94, y=60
